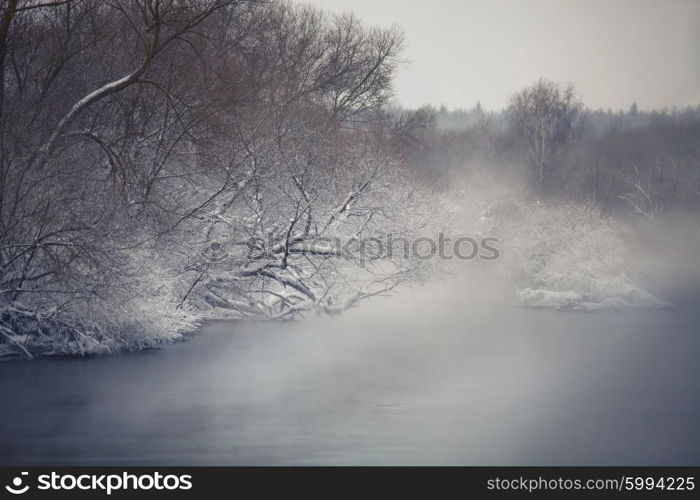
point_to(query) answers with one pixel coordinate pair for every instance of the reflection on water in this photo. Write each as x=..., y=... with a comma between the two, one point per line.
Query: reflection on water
x=427, y=379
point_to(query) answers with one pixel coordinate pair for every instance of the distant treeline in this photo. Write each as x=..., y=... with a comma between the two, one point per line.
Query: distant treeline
x=597, y=122
x=634, y=161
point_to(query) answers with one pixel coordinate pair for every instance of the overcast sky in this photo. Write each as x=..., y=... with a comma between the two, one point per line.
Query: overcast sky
x=614, y=51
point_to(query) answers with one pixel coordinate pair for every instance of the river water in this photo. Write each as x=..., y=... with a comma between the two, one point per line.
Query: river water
x=429, y=377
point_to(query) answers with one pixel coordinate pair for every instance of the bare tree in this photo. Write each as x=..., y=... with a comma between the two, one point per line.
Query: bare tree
x=137, y=135
x=93, y=118
x=547, y=116
x=321, y=174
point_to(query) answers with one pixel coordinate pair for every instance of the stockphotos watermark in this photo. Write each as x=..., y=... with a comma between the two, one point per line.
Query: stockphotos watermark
x=362, y=250
x=102, y=483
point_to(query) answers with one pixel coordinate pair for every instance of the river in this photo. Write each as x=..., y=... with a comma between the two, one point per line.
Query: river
x=430, y=377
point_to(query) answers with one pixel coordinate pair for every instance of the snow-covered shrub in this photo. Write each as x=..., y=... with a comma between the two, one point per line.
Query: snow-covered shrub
x=566, y=256
x=140, y=311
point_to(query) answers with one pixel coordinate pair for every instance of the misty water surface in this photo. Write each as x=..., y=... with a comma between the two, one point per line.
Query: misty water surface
x=435, y=376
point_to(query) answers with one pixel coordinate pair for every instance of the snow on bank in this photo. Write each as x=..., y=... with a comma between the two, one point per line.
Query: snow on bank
x=140, y=313
x=567, y=256
x=573, y=301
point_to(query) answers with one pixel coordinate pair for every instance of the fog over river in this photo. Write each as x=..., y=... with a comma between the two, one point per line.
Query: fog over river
x=438, y=375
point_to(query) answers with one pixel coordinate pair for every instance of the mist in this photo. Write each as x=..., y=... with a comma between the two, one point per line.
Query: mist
x=231, y=233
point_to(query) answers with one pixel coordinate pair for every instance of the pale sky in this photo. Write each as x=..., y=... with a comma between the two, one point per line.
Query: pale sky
x=615, y=52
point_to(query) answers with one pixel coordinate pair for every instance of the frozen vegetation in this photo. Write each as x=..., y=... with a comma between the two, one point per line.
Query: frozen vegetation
x=232, y=159
x=570, y=257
